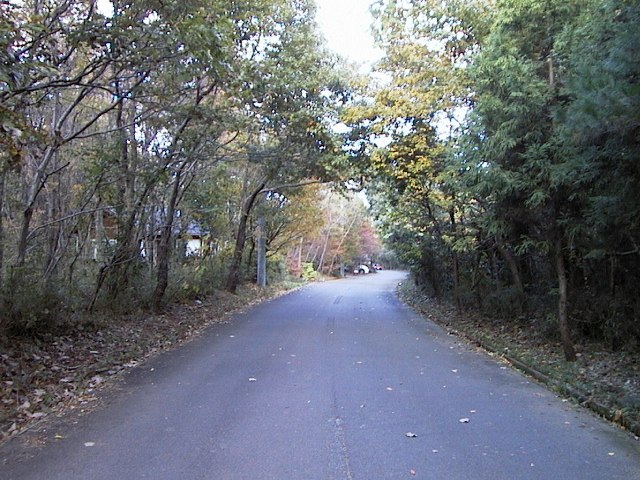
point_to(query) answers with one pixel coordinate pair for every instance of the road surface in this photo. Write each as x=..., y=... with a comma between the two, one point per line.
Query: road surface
x=335, y=381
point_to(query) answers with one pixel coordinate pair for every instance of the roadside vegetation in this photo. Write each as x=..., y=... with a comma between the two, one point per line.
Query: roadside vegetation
x=507, y=180
x=152, y=152
x=503, y=161
x=147, y=148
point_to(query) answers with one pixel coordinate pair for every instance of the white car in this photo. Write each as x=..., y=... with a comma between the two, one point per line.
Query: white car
x=360, y=269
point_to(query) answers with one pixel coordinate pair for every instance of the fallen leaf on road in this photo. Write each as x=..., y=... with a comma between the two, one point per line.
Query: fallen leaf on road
x=410, y=435
x=464, y=420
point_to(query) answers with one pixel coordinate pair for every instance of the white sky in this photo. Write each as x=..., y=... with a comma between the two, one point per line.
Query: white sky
x=346, y=26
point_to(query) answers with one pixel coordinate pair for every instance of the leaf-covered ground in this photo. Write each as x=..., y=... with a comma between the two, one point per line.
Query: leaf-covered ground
x=49, y=374
x=606, y=381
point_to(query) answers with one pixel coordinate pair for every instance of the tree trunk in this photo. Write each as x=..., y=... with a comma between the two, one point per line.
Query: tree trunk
x=563, y=323
x=456, y=265
x=495, y=274
x=27, y=215
x=3, y=176
x=338, y=249
x=515, y=274
x=433, y=277
x=117, y=270
x=513, y=266
x=54, y=233
x=164, y=248
x=261, y=252
x=249, y=264
x=324, y=251
x=241, y=237
x=33, y=191
x=325, y=244
x=116, y=273
x=476, y=276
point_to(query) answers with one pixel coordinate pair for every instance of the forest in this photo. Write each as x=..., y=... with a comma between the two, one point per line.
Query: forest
x=148, y=146
x=144, y=142
x=509, y=176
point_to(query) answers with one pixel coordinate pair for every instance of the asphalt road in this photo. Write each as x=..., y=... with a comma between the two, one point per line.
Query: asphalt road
x=334, y=381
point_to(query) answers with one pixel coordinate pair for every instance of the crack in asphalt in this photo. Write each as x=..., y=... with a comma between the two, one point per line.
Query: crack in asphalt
x=340, y=448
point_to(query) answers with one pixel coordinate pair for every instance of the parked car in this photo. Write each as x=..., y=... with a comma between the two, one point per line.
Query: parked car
x=361, y=269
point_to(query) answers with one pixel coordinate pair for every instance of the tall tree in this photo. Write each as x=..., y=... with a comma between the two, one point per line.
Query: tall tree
x=287, y=100
x=598, y=132
x=518, y=82
x=429, y=47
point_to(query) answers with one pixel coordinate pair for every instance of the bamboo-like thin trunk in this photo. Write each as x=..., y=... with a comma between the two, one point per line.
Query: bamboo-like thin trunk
x=563, y=323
